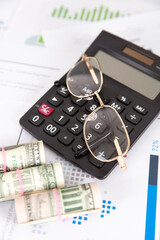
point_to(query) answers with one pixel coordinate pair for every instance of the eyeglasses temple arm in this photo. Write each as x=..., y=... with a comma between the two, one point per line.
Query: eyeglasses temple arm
x=92, y=72
x=120, y=157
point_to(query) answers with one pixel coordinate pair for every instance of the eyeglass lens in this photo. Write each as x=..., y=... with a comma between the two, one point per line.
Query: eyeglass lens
x=100, y=130
x=85, y=78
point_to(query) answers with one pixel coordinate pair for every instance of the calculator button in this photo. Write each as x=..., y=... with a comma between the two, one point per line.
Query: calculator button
x=79, y=101
x=75, y=128
x=133, y=118
x=99, y=126
x=55, y=100
x=36, y=120
x=128, y=126
x=81, y=116
x=96, y=162
x=118, y=107
x=65, y=138
x=60, y=119
x=91, y=106
x=140, y=109
x=45, y=110
x=77, y=146
x=63, y=91
x=51, y=129
x=123, y=99
x=70, y=109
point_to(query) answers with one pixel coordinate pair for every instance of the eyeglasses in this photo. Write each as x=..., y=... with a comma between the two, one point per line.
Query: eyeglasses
x=104, y=132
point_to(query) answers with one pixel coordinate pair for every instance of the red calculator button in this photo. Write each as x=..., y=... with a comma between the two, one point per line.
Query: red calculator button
x=45, y=110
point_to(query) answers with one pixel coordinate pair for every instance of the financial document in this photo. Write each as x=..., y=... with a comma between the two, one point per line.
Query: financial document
x=48, y=15
x=27, y=71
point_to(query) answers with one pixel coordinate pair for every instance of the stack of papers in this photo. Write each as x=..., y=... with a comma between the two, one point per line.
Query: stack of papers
x=39, y=41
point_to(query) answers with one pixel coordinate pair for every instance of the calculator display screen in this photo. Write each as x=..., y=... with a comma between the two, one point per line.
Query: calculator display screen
x=128, y=75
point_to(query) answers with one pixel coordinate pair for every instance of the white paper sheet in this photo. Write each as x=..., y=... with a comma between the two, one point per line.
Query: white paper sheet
x=124, y=194
x=143, y=30
x=33, y=17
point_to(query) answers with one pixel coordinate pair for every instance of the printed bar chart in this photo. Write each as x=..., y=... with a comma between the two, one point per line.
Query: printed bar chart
x=152, y=198
x=91, y=15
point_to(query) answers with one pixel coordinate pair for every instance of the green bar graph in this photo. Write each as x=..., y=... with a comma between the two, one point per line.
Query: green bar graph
x=100, y=13
x=87, y=16
x=117, y=14
x=111, y=15
x=60, y=11
x=76, y=16
x=91, y=15
x=65, y=13
x=54, y=12
x=82, y=14
x=105, y=14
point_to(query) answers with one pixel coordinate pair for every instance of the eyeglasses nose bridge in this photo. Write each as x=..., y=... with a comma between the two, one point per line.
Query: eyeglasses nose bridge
x=99, y=99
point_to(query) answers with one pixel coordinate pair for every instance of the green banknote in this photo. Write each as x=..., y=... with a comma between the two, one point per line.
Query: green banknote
x=30, y=180
x=43, y=207
x=22, y=156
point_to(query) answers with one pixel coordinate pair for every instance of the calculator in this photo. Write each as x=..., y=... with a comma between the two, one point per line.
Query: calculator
x=131, y=84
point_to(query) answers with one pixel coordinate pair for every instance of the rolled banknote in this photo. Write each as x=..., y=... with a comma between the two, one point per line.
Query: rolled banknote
x=58, y=203
x=25, y=181
x=21, y=156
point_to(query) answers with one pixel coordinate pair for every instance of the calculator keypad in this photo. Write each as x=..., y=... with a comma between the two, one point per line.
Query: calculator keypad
x=65, y=121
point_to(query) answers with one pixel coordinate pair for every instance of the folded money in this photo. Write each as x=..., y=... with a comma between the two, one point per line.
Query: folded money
x=58, y=203
x=21, y=156
x=35, y=179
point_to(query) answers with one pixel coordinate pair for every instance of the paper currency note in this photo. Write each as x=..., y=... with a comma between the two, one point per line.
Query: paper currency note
x=21, y=156
x=30, y=180
x=42, y=207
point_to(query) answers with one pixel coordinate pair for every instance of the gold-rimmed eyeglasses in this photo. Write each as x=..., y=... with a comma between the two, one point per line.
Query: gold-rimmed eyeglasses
x=104, y=132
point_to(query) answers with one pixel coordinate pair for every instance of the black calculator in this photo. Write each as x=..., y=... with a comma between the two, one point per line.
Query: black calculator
x=131, y=84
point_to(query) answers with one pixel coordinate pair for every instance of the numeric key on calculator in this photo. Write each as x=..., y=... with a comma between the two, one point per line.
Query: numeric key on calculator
x=70, y=109
x=51, y=129
x=75, y=127
x=79, y=101
x=91, y=106
x=99, y=126
x=60, y=119
x=81, y=116
x=36, y=120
